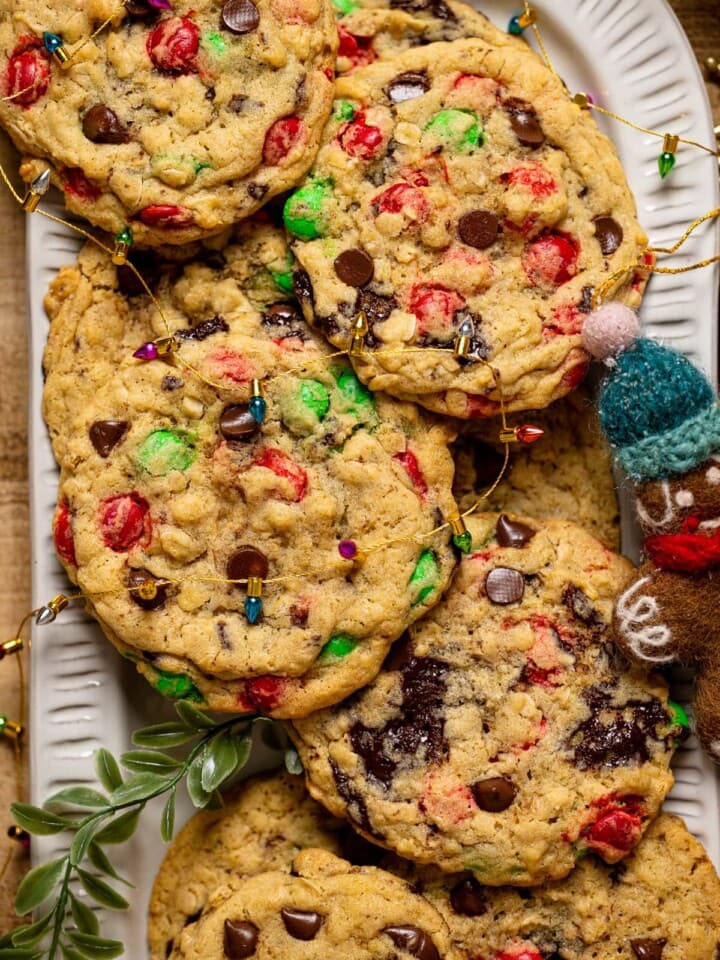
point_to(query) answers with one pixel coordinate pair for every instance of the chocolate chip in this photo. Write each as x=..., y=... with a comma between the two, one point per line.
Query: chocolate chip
x=303, y=288
x=646, y=949
x=240, y=16
x=282, y=314
x=407, y=86
x=101, y=125
x=585, y=305
x=171, y=383
x=247, y=562
x=106, y=434
x=207, y=328
x=525, y=123
x=257, y=190
x=512, y=533
x=578, y=602
x=140, y=8
x=354, y=267
x=609, y=234
x=494, y=795
x=479, y=228
x=301, y=924
x=240, y=939
x=467, y=898
x=504, y=585
x=237, y=423
x=357, y=811
x=414, y=940
x=135, y=579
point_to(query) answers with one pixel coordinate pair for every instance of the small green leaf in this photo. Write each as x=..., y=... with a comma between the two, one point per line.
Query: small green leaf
x=193, y=717
x=167, y=823
x=100, y=860
x=148, y=761
x=78, y=797
x=19, y=953
x=199, y=796
x=96, y=948
x=31, y=933
x=37, y=885
x=293, y=763
x=163, y=735
x=83, y=916
x=101, y=891
x=36, y=820
x=221, y=759
x=139, y=787
x=83, y=839
x=71, y=954
x=271, y=733
x=107, y=769
x=121, y=828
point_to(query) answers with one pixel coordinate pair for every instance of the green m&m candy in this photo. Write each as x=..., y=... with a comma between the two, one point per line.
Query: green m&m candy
x=344, y=110
x=344, y=7
x=679, y=719
x=338, y=646
x=314, y=395
x=281, y=272
x=354, y=391
x=303, y=211
x=424, y=579
x=163, y=451
x=177, y=686
x=459, y=129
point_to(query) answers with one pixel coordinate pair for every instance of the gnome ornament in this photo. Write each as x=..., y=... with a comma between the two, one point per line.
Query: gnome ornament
x=662, y=417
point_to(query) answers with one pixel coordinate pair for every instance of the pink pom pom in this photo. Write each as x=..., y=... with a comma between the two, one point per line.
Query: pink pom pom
x=609, y=330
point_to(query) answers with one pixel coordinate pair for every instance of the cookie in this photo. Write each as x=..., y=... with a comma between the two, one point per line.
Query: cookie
x=172, y=490
x=174, y=122
x=458, y=191
x=262, y=826
x=325, y=908
x=371, y=30
x=566, y=474
x=505, y=735
x=660, y=903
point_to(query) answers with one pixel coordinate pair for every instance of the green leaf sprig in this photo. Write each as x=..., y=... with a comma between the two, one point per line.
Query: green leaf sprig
x=69, y=929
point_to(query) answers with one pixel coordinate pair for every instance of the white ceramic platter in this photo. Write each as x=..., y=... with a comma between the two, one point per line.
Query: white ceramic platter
x=634, y=58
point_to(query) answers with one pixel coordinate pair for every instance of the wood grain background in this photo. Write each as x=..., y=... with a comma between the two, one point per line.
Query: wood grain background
x=701, y=20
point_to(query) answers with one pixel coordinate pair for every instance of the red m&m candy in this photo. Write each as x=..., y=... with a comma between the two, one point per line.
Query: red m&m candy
x=551, y=260
x=166, y=215
x=281, y=138
x=402, y=198
x=173, y=45
x=63, y=535
x=283, y=466
x=27, y=75
x=434, y=307
x=360, y=139
x=125, y=522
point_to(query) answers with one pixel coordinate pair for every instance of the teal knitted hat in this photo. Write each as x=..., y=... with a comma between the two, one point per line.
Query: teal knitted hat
x=659, y=412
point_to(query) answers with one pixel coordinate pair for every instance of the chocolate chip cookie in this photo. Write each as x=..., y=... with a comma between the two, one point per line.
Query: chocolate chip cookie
x=459, y=192
x=504, y=735
x=262, y=827
x=660, y=903
x=567, y=473
x=173, y=122
x=257, y=554
x=325, y=908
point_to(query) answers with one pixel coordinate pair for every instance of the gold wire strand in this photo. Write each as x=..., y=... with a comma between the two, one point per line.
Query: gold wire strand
x=84, y=43
x=710, y=215
x=541, y=44
x=651, y=133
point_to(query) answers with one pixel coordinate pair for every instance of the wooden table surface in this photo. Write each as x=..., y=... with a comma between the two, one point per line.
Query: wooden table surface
x=701, y=19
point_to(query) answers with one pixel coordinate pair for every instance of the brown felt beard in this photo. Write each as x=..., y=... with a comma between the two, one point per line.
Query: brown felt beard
x=657, y=501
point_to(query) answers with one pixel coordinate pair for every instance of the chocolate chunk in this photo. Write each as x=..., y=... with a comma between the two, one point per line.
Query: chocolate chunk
x=247, y=562
x=240, y=939
x=106, y=434
x=207, y=328
x=257, y=190
x=578, y=602
x=376, y=309
x=101, y=125
x=414, y=940
x=512, y=533
x=609, y=234
x=172, y=383
x=303, y=288
x=301, y=924
x=525, y=123
x=240, y=16
x=135, y=579
x=281, y=314
x=617, y=735
x=479, y=228
x=140, y=8
x=438, y=8
x=237, y=423
x=646, y=949
x=494, y=795
x=407, y=86
x=354, y=267
x=418, y=729
x=467, y=898
x=504, y=585
x=357, y=811
x=586, y=304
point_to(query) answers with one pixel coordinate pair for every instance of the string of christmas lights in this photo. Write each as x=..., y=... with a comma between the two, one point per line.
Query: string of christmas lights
x=13, y=731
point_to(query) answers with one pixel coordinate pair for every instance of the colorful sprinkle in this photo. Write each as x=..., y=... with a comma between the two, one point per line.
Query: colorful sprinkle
x=459, y=129
x=164, y=451
x=425, y=576
x=338, y=646
x=303, y=211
